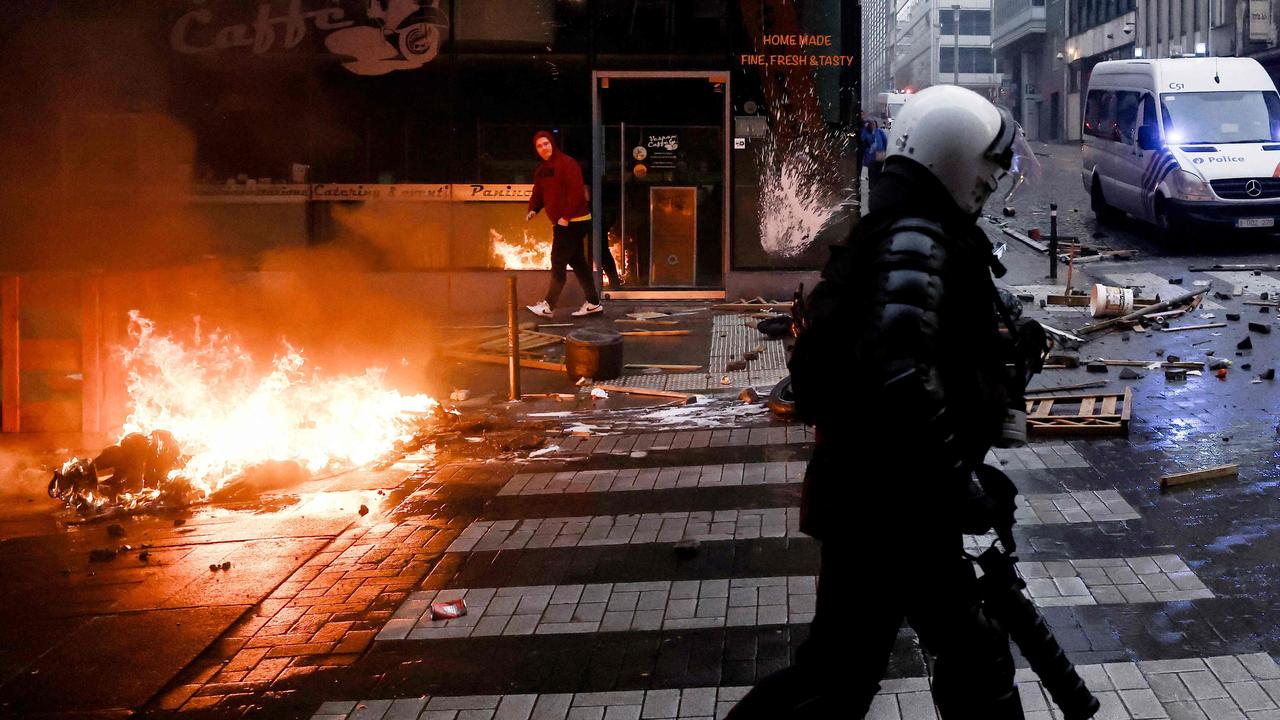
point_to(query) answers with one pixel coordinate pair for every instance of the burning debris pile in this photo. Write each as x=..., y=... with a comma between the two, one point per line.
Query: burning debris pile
x=203, y=414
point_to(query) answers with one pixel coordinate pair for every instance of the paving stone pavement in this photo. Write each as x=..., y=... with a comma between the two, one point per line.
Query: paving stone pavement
x=577, y=613
x=1229, y=686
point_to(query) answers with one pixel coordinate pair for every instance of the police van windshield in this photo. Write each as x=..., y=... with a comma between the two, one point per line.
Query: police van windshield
x=1220, y=117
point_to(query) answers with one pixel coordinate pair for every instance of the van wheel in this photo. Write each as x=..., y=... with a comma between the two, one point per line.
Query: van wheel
x=1166, y=230
x=1101, y=210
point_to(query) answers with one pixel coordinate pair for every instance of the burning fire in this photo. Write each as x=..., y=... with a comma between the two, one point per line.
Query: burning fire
x=226, y=415
x=527, y=254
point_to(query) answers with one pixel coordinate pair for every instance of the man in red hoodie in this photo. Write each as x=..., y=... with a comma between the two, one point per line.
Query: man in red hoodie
x=558, y=189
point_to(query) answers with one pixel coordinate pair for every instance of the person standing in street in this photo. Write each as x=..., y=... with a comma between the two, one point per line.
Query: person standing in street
x=558, y=189
x=877, y=148
x=907, y=318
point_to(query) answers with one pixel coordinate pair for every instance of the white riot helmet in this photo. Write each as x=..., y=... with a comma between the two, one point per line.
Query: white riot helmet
x=959, y=137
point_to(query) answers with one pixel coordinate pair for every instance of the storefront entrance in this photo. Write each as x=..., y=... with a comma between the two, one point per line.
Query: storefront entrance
x=659, y=194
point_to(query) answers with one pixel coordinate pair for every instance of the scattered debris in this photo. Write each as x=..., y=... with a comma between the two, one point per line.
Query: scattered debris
x=144, y=556
x=1248, y=266
x=115, y=530
x=214, y=567
x=1175, y=374
x=1221, y=295
x=735, y=365
x=1202, y=326
x=1245, y=344
x=448, y=609
x=226, y=565
x=102, y=555
x=1096, y=367
x=749, y=395
x=599, y=394
x=1221, y=374
x=1213, y=473
x=552, y=396
x=754, y=304
x=1233, y=317
x=1175, y=281
x=1137, y=314
x=459, y=395
x=364, y=510
x=654, y=333
x=1130, y=374
x=1219, y=364
x=685, y=397
x=647, y=315
x=1260, y=328
x=1268, y=374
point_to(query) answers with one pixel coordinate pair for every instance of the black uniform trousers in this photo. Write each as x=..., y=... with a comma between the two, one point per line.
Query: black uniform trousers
x=868, y=584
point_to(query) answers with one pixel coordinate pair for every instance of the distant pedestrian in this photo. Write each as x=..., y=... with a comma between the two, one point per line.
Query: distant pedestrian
x=877, y=149
x=558, y=189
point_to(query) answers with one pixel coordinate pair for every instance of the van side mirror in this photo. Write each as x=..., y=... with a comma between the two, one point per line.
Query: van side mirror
x=1148, y=137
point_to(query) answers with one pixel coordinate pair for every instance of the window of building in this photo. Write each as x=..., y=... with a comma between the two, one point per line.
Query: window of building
x=972, y=22
x=972, y=60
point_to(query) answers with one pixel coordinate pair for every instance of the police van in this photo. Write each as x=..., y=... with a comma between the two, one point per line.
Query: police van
x=1183, y=142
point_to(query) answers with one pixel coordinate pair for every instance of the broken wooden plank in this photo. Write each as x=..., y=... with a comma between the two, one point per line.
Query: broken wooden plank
x=1213, y=473
x=502, y=360
x=654, y=333
x=646, y=322
x=659, y=366
x=1025, y=240
x=1064, y=388
x=1202, y=326
x=1188, y=364
x=646, y=391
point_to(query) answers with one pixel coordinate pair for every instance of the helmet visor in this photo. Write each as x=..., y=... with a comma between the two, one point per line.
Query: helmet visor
x=1000, y=151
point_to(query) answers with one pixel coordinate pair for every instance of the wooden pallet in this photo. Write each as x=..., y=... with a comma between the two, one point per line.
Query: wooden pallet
x=1091, y=414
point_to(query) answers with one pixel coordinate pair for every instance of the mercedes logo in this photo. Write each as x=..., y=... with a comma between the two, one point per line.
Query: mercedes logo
x=1253, y=188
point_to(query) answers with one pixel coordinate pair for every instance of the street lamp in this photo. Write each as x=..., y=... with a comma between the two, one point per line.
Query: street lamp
x=955, y=58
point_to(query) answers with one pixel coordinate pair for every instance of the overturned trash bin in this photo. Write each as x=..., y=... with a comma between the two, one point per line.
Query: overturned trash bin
x=594, y=353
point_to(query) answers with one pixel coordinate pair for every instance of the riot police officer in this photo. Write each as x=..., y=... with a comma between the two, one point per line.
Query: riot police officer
x=900, y=368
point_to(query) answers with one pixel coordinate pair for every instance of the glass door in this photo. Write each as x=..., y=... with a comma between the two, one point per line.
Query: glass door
x=660, y=178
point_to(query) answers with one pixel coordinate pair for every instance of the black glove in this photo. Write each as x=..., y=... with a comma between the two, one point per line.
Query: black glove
x=999, y=495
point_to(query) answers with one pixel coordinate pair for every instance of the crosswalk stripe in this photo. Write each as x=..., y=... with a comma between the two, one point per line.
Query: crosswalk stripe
x=684, y=604
x=1256, y=284
x=721, y=525
x=654, y=478
x=1219, y=686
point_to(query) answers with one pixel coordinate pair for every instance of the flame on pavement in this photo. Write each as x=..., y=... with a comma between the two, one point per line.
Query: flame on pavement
x=228, y=414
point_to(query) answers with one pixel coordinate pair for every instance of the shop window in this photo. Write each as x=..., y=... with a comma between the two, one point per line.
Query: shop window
x=662, y=26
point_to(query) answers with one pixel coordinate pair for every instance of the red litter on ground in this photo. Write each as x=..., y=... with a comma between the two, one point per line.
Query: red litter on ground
x=1222, y=374
x=449, y=609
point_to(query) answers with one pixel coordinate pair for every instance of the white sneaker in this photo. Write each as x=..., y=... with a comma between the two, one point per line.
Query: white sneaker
x=542, y=309
x=587, y=309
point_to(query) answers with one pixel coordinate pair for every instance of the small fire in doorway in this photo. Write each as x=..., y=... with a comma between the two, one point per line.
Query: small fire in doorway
x=528, y=253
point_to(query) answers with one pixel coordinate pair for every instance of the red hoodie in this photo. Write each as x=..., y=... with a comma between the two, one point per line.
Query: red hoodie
x=558, y=187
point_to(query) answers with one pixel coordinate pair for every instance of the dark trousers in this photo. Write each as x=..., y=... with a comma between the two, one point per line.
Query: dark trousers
x=568, y=247
x=873, y=172
x=865, y=590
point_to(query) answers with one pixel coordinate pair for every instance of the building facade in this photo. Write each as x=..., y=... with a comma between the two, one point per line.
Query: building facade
x=1048, y=49
x=940, y=41
x=877, y=49
x=403, y=128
